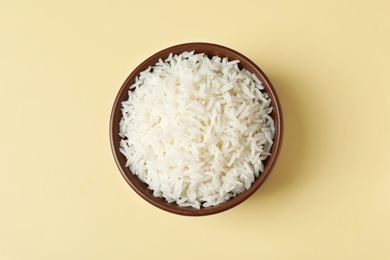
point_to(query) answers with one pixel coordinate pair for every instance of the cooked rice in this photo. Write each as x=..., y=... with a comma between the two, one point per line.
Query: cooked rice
x=196, y=130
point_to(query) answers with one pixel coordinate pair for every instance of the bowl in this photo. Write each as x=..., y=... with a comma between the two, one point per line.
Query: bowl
x=141, y=188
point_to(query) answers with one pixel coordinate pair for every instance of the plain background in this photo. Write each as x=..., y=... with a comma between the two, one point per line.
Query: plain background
x=62, y=63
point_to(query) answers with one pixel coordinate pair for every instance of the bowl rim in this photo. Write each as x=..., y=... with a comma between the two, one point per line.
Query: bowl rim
x=270, y=161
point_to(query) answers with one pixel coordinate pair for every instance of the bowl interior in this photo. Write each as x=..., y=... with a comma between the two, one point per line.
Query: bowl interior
x=141, y=188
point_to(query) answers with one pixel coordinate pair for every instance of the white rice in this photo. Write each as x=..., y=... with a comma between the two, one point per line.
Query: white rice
x=196, y=130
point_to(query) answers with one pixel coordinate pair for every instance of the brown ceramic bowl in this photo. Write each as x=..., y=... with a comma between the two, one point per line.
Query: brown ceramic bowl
x=141, y=188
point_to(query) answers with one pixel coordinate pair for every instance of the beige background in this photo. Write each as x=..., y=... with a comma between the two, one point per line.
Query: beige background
x=61, y=195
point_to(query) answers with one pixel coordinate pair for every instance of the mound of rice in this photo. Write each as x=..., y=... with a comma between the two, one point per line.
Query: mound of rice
x=196, y=129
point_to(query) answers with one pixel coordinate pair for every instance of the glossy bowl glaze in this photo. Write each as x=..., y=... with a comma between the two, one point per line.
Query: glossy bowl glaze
x=210, y=50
